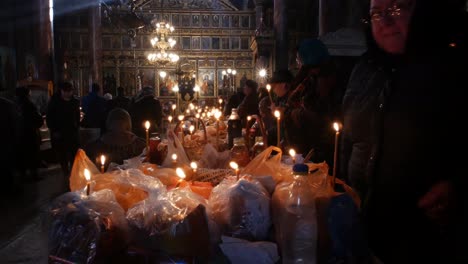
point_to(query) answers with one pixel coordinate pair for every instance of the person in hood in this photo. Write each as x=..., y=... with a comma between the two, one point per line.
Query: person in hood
x=308, y=113
x=145, y=108
x=118, y=143
x=398, y=146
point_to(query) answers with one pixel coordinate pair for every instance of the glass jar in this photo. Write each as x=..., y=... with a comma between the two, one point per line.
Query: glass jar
x=240, y=152
x=258, y=147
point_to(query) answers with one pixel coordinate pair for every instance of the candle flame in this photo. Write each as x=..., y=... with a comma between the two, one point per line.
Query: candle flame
x=173, y=107
x=181, y=117
x=87, y=174
x=103, y=160
x=268, y=87
x=217, y=114
x=197, y=115
x=180, y=173
x=336, y=126
x=220, y=101
x=169, y=118
x=234, y=165
x=249, y=118
x=174, y=157
x=191, y=129
x=277, y=114
x=292, y=152
x=193, y=165
x=147, y=125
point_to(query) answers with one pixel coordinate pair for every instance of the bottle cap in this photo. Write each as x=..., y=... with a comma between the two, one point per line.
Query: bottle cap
x=300, y=169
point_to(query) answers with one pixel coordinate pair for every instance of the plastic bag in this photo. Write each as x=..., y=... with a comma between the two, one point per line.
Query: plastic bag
x=86, y=229
x=129, y=186
x=212, y=159
x=241, y=208
x=266, y=165
x=246, y=252
x=174, y=146
x=174, y=223
x=81, y=162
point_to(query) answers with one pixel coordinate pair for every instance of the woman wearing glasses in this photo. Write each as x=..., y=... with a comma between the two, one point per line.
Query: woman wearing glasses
x=399, y=139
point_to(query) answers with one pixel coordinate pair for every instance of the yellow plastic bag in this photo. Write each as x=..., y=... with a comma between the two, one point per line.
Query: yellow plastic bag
x=81, y=162
x=266, y=165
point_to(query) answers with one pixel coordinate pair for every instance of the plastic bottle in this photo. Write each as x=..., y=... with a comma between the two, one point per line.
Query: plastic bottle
x=299, y=221
x=234, y=127
x=258, y=147
x=240, y=152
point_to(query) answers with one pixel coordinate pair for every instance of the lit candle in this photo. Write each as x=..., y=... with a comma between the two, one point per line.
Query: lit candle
x=174, y=159
x=336, y=126
x=181, y=174
x=247, y=134
x=217, y=116
x=103, y=162
x=268, y=87
x=197, y=116
x=170, y=119
x=191, y=129
x=173, y=109
x=194, y=167
x=235, y=167
x=87, y=175
x=278, y=128
x=147, y=127
x=181, y=117
x=292, y=152
x=220, y=101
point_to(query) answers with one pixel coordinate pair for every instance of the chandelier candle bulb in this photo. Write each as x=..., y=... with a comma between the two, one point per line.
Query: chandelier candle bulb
x=278, y=128
x=336, y=126
x=235, y=167
x=103, y=163
x=87, y=176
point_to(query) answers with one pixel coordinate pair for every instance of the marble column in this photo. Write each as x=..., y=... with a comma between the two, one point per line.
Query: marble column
x=45, y=40
x=95, y=44
x=281, y=33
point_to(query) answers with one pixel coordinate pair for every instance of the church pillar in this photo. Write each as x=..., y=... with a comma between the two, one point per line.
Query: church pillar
x=45, y=39
x=281, y=33
x=95, y=44
x=323, y=27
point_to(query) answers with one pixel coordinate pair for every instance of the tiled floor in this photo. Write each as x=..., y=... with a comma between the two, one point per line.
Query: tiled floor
x=22, y=239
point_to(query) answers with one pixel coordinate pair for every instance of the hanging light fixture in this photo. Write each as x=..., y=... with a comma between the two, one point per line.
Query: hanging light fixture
x=162, y=42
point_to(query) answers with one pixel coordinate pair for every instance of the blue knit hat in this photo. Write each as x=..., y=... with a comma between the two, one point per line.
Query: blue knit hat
x=312, y=52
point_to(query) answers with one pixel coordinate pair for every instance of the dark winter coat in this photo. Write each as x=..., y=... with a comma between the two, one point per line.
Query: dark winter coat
x=146, y=108
x=63, y=120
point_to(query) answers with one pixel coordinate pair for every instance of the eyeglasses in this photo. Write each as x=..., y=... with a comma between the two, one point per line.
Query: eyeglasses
x=394, y=11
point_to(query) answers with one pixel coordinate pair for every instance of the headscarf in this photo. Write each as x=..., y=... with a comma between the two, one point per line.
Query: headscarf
x=312, y=52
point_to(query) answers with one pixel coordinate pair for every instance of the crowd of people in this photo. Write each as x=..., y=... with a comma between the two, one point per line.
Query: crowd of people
x=397, y=147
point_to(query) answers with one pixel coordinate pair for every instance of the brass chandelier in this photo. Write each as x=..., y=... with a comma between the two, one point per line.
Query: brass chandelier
x=162, y=42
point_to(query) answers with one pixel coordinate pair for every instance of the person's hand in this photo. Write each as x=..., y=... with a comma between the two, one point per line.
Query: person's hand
x=438, y=202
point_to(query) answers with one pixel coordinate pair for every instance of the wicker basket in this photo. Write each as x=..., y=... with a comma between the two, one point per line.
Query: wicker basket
x=194, y=151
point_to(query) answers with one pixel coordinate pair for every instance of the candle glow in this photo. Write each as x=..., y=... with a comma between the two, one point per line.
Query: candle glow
x=170, y=119
x=87, y=175
x=174, y=157
x=103, y=160
x=194, y=166
x=181, y=117
x=173, y=107
x=277, y=114
x=268, y=87
x=180, y=173
x=191, y=129
x=147, y=125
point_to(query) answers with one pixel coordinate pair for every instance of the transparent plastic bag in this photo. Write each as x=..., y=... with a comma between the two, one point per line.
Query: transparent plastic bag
x=174, y=146
x=212, y=159
x=241, y=208
x=174, y=223
x=85, y=229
